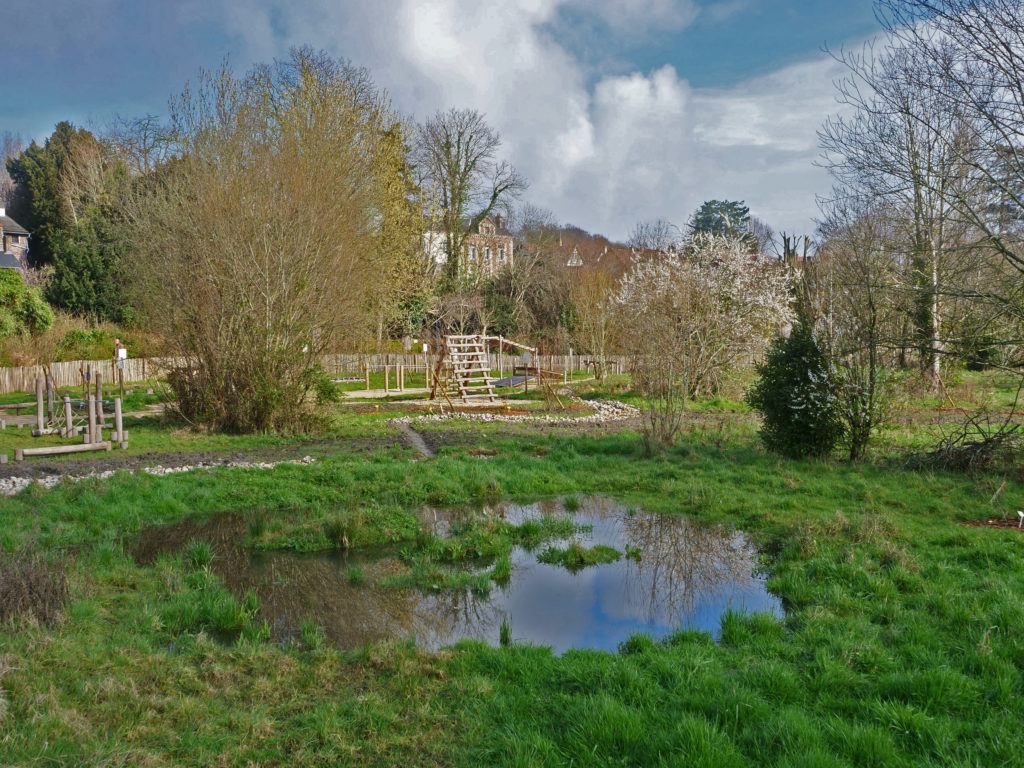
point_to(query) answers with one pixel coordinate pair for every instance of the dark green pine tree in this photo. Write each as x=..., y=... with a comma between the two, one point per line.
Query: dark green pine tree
x=796, y=397
x=721, y=218
x=37, y=203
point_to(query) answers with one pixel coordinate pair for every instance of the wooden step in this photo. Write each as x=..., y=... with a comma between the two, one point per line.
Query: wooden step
x=477, y=397
x=470, y=389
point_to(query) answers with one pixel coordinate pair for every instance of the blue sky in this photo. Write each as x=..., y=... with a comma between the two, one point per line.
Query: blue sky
x=615, y=110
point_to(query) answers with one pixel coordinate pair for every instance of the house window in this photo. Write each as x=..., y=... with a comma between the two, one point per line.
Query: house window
x=487, y=255
x=472, y=252
x=501, y=255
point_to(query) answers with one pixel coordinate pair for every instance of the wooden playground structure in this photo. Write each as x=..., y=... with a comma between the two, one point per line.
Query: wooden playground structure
x=69, y=415
x=462, y=371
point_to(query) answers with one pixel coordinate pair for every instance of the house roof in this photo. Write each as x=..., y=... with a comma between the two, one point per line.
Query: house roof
x=9, y=261
x=11, y=227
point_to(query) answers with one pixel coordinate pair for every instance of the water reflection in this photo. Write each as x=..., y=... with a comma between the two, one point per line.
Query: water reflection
x=687, y=575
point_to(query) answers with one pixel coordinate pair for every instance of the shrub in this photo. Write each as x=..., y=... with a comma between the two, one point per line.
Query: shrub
x=22, y=308
x=796, y=395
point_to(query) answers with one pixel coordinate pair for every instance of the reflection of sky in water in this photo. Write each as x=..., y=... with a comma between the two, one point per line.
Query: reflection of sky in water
x=688, y=575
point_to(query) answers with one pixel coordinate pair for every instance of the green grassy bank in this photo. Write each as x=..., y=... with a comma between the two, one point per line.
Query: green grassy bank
x=903, y=642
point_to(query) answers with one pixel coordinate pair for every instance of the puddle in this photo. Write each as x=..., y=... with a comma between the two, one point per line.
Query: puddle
x=687, y=575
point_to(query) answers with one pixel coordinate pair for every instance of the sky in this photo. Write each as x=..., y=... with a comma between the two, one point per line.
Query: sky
x=616, y=111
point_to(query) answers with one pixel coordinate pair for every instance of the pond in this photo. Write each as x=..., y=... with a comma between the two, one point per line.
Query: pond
x=672, y=573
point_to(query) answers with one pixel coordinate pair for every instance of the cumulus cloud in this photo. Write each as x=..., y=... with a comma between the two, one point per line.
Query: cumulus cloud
x=601, y=149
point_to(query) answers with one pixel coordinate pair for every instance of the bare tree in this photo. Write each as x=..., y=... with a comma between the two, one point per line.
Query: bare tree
x=966, y=58
x=848, y=290
x=457, y=157
x=258, y=244
x=655, y=235
x=596, y=326
x=141, y=144
x=11, y=146
x=905, y=143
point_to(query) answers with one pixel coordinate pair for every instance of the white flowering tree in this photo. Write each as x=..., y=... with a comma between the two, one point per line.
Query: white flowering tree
x=690, y=314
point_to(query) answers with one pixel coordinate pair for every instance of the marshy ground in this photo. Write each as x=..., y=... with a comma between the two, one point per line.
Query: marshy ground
x=899, y=641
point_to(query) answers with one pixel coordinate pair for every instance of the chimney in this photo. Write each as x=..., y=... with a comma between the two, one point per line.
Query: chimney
x=497, y=220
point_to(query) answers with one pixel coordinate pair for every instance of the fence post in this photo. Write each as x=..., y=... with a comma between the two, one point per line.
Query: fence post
x=90, y=435
x=118, y=421
x=39, y=404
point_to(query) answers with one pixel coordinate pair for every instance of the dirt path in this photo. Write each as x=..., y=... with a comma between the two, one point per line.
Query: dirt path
x=415, y=440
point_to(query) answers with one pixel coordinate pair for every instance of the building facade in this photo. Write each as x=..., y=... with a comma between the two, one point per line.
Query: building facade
x=13, y=241
x=485, y=253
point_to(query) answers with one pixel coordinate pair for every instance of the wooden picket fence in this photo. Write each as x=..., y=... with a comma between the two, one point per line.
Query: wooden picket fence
x=69, y=374
x=356, y=364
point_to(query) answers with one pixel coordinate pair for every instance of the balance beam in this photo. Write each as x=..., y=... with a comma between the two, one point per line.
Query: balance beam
x=21, y=453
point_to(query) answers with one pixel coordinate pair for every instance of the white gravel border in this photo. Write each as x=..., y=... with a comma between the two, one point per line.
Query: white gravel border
x=9, y=486
x=604, y=411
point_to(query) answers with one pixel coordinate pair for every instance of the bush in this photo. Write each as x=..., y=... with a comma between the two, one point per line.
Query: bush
x=22, y=308
x=796, y=395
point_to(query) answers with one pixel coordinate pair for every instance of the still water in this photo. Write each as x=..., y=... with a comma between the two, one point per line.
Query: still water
x=687, y=575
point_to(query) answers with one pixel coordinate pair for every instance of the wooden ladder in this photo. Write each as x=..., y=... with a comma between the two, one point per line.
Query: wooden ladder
x=469, y=368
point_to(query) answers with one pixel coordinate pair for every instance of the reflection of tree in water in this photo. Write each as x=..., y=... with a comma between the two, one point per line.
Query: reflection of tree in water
x=293, y=588
x=682, y=560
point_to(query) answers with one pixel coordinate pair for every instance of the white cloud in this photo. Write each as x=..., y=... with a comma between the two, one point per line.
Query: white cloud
x=602, y=153
x=601, y=150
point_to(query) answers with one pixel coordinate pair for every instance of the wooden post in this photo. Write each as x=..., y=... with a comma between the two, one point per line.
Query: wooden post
x=426, y=370
x=120, y=380
x=366, y=372
x=99, y=400
x=401, y=377
x=68, y=426
x=118, y=422
x=501, y=357
x=90, y=434
x=39, y=404
x=387, y=372
x=49, y=399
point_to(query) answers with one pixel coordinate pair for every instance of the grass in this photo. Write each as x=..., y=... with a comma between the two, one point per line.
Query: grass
x=901, y=644
x=575, y=557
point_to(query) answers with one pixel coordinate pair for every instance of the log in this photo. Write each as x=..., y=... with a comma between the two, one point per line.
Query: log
x=69, y=428
x=55, y=450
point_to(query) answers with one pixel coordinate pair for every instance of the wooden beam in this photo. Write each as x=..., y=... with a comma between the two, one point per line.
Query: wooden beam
x=21, y=453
